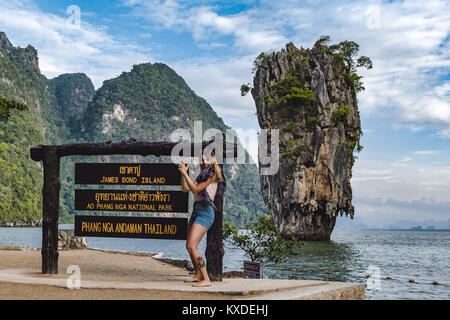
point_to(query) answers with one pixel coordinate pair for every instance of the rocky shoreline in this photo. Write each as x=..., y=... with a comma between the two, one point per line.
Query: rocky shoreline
x=22, y=224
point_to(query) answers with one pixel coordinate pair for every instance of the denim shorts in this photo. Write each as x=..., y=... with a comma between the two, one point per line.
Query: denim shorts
x=203, y=213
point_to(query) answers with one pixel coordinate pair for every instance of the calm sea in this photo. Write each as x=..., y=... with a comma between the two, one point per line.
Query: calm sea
x=349, y=256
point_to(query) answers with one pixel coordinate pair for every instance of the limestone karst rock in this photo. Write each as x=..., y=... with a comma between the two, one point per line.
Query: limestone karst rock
x=310, y=96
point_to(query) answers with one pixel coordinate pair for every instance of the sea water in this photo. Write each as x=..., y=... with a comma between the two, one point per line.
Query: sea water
x=368, y=256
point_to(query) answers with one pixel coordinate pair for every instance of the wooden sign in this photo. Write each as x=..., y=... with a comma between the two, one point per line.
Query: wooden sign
x=131, y=227
x=252, y=269
x=127, y=173
x=131, y=200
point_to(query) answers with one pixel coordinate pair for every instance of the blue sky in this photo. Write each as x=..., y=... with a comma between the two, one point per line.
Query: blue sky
x=403, y=171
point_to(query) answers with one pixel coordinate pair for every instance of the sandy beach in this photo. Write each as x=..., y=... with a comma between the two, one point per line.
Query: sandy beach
x=97, y=266
x=127, y=275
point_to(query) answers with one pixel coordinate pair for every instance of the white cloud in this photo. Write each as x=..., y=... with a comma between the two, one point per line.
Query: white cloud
x=63, y=48
x=445, y=133
x=219, y=81
x=407, y=181
x=249, y=32
x=426, y=152
x=409, y=46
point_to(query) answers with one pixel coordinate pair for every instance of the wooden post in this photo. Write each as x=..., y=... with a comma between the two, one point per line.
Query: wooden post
x=50, y=199
x=214, y=242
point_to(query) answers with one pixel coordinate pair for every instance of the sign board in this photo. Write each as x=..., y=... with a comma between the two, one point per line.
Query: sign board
x=127, y=173
x=131, y=227
x=131, y=200
x=252, y=269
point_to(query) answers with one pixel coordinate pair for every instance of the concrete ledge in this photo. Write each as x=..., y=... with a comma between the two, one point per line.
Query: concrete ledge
x=327, y=291
x=273, y=289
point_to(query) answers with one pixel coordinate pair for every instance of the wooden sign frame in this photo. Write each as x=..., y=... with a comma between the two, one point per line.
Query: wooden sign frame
x=50, y=156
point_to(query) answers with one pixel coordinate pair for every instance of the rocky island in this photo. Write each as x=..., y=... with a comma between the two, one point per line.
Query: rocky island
x=310, y=96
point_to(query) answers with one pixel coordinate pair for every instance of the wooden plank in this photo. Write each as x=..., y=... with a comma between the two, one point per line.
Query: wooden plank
x=149, y=174
x=131, y=147
x=131, y=227
x=131, y=200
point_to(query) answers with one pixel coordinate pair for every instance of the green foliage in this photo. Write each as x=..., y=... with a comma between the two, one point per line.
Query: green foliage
x=311, y=122
x=71, y=94
x=351, y=144
x=292, y=149
x=292, y=95
x=340, y=115
x=261, y=241
x=290, y=127
x=291, y=88
x=344, y=54
x=299, y=55
x=322, y=42
x=7, y=105
x=21, y=177
x=359, y=147
x=297, y=94
x=245, y=88
x=262, y=57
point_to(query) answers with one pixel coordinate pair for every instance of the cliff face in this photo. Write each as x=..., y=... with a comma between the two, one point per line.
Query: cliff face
x=307, y=94
x=71, y=93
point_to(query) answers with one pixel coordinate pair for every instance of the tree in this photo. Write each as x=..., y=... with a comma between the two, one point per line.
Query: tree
x=7, y=105
x=346, y=51
x=245, y=88
x=261, y=241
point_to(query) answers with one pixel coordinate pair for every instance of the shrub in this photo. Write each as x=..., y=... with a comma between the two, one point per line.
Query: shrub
x=340, y=114
x=261, y=241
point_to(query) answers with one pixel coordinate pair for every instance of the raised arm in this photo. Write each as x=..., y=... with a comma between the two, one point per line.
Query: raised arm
x=184, y=185
x=191, y=185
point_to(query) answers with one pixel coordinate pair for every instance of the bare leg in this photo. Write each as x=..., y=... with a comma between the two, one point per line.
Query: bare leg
x=196, y=233
x=192, y=242
x=201, y=265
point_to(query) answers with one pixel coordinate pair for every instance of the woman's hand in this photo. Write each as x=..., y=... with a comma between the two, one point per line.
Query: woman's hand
x=182, y=167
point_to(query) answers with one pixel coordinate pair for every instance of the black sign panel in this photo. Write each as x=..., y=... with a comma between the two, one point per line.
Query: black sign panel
x=131, y=227
x=252, y=269
x=131, y=200
x=127, y=173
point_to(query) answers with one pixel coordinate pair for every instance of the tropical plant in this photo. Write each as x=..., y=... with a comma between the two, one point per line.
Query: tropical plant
x=261, y=241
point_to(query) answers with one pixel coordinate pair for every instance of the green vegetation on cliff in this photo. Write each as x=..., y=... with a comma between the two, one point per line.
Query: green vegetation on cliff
x=20, y=178
x=7, y=105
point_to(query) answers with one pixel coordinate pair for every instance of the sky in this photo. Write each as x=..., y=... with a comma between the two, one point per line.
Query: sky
x=403, y=172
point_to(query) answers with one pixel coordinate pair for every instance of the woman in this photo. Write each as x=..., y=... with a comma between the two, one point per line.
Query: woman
x=205, y=187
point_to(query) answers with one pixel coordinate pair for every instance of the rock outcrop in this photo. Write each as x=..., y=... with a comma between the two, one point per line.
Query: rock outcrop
x=68, y=240
x=308, y=94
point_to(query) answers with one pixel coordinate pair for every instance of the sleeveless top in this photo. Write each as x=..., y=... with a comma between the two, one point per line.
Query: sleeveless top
x=211, y=189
